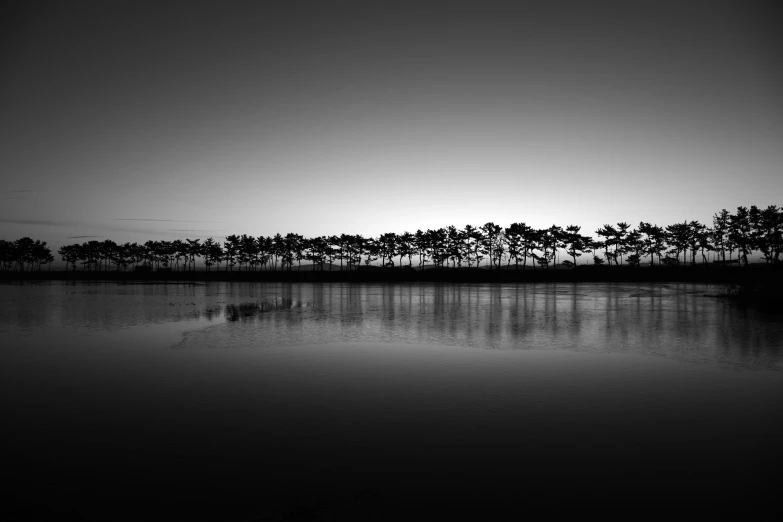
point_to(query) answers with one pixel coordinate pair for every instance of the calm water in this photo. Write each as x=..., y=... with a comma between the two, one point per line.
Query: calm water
x=358, y=402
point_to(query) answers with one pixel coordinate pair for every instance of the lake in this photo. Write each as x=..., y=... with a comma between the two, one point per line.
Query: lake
x=250, y=401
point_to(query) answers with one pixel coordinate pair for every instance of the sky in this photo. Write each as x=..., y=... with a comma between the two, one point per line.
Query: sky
x=161, y=120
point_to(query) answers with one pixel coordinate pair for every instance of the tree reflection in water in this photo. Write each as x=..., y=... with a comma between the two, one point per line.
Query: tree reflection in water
x=676, y=320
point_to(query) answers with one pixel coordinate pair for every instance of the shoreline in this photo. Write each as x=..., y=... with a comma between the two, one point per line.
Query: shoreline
x=754, y=275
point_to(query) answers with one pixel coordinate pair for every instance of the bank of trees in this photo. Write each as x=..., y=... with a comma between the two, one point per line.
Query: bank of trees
x=24, y=254
x=731, y=238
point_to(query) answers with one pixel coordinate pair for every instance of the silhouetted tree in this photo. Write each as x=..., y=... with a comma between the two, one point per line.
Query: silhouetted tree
x=741, y=233
x=678, y=238
x=266, y=250
x=595, y=246
x=193, y=249
x=696, y=233
x=654, y=240
x=371, y=251
x=536, y=242
x=492, y=238
x=557, y=241
x=212, y=253
x=547, y=243
x=358, y=249
x=420, y=244
x=454, y=245
x=610, y=234
x=634, y=247
x=315, y=249
x=499, y=248
x=576, y=244
x=387, y=244
x=720, y=232
x=231, y=249
x=766, y=231
x=438, y=251
x=516, y=250
x=620, y=243
x=406, y=247
x=527, y=239
x=475, y=240
x=68, y=253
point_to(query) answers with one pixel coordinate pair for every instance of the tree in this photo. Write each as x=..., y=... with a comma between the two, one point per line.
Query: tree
x=437, y=245
x=767, y=230
x=211, y=252
x=596, y=246
x=526, y=234
x=476, y=240
x=492, y=240
x=558, y=241
x=266, y=251
x=387, y=245
x=499, y=249
x=620, y=241
x=548, y=242
x=611, y=234
x=703, y=242
x=516, y=250
x=68, y=253
x=148, y=250
x=773, y=222
x=39, y=255
x=454, y=245
x=420, y=243
x=635, y=247
x=406, y=247
x=295, y=244
x=286, y=249
x=279, y=251
x=678, y=237
x=536, y=242
x=23, y=248
x=371, y=251
x=231, y=250
x=740, y=230
x=650, y=240
x=356, y=249
x=720, y=232
x=179, y=252
x=193, y=249
x=576, y=244
x=315, y=252
x=46, y=259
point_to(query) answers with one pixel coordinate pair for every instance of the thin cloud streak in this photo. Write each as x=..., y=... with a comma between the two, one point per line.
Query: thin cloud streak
x=34, y=222
x=166, y=220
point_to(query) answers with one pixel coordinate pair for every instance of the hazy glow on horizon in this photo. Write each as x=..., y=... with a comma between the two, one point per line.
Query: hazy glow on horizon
x=130, y=123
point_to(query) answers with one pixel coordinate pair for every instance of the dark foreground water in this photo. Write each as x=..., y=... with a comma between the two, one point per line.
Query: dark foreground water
x=232, y=401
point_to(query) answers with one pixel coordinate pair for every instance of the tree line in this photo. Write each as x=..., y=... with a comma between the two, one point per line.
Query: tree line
x=731, y=239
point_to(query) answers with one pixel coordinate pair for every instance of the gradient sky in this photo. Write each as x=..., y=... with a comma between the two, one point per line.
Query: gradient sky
x=152, y=120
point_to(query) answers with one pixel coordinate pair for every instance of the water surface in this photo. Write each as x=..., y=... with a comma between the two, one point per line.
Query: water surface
x=241, y=401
